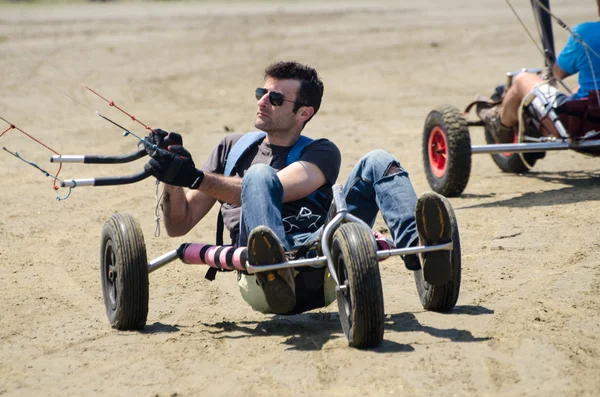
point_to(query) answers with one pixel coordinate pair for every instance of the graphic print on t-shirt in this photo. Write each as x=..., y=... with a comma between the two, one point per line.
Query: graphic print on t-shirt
x=305, y=221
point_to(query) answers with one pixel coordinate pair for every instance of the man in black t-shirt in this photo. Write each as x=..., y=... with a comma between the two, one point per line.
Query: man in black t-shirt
x=320, y=152
x=284, y=204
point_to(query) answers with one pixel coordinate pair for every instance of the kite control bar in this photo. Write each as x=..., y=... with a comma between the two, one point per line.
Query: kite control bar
x=105, y=181
x=126, y=158
x=174, y=139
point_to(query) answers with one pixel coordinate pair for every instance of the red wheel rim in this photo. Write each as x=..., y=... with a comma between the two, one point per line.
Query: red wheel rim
x=438, y=151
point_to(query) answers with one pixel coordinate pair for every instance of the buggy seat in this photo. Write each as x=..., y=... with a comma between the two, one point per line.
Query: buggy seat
x=580, y=116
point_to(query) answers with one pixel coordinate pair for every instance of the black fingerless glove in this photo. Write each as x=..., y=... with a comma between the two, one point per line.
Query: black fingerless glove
x=160, y=139
x=175, y=167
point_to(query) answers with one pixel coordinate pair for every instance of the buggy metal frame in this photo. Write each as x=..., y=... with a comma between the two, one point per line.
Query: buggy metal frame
x=346, y=246
x=326, y=259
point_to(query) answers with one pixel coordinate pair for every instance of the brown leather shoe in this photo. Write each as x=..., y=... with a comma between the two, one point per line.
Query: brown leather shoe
x=434, y=227
x=498, y=131
x=264, y=248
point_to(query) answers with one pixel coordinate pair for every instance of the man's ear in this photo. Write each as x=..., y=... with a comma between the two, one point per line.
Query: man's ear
x=305, y=113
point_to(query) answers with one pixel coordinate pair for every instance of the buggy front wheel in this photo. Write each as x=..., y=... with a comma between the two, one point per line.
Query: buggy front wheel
x=447, y=151
x=442, y=298
x=360, y=296
x=124, y=272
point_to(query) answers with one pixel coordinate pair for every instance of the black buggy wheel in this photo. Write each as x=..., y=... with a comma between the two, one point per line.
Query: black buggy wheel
x=442, y=298
x=512, y=162
x=447, y=151
x=360, y=302
x=124, y=272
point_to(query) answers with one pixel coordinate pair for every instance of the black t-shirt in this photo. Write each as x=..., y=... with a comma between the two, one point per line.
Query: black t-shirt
x=302, y=215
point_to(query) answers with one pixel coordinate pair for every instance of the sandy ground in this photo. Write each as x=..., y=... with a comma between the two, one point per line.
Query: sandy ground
x=526, y=322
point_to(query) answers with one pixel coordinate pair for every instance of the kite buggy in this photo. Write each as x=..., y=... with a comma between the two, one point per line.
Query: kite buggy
x=347, y=247
x=446, y=144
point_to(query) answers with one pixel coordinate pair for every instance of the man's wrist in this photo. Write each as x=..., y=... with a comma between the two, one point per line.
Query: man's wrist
x=199, y=177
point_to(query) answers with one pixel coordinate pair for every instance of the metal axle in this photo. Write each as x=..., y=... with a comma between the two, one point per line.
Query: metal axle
x=171, y=256
x=532, y=147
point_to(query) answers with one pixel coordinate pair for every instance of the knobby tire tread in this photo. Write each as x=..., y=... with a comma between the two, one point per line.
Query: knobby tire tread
x=458, y=168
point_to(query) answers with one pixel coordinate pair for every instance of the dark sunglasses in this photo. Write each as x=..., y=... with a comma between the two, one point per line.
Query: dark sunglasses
x=276, y=98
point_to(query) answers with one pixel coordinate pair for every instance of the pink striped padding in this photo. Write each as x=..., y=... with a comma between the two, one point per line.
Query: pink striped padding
x=223, y=254
x=219, y=257
x=209, y=257
x=382, y=243
x=229, y=258
x=191, y=254
x=237, y=256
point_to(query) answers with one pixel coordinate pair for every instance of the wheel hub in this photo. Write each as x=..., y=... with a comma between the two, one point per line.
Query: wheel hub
x=110, y=267
x=438, y=152
x=112, y=273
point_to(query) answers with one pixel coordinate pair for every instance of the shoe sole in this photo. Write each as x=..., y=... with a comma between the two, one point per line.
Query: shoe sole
x=435, y=227
x=264, y=249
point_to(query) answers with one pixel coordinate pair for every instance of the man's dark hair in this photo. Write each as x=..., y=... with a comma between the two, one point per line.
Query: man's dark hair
x=311, y=86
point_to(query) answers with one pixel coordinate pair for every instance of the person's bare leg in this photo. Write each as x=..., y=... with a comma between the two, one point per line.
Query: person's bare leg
x=523, y=85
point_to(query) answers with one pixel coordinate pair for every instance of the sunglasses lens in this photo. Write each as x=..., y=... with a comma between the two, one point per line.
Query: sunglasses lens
x=259, y=93
x=275, y=98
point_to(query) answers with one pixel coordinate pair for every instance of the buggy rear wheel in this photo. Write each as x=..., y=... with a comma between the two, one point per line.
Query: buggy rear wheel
x=512, y=162
x=124, y=272
x=447, y=151
x=442, y=298
x=360, y=298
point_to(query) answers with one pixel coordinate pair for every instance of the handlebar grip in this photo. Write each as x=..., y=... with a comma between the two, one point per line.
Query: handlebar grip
x=107, y=181
x=86, y=159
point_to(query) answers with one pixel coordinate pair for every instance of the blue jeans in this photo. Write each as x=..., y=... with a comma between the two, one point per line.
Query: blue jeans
x=377, y=183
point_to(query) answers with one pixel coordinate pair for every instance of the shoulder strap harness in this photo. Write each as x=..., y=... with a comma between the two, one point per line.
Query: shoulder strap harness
x=241, y=147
